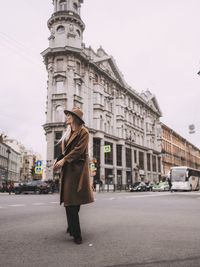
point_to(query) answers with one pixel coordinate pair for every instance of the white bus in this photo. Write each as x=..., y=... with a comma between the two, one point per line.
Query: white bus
x=184, y=178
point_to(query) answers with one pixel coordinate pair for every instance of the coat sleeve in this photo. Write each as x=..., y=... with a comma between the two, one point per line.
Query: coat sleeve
x=79, y=149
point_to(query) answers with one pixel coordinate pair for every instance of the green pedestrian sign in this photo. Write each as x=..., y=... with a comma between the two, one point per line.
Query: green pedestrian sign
x=38, y=170
x=107, y=149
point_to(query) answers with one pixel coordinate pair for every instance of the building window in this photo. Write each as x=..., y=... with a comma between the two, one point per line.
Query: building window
x=77, y=104
x=159, y=165
x=108, y=176
x=154, y=163
x=59, y=64
x=97, y=156
x=63, y=5
x=59, y=87
x=128, y=178
x=119, y=177
x=78, y=89
x=60, y=29
x=59, y=114
x=128, y=157
x=78, y=67
x=57, y=147
x=135, y=156
x=141, y=160
x=119, y=155
x=148, y=162
x=75, y=6
x=109, y=155
x=78, y=33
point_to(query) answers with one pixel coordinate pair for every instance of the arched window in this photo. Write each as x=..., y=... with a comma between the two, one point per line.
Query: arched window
x=108, y=124
x=63, y=5
x=60, y=29
x=101, y=122
x=59, y=114
x=78, y=33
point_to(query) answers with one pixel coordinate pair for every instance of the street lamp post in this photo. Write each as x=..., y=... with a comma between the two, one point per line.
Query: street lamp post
x=131, y=141
x=7, y=171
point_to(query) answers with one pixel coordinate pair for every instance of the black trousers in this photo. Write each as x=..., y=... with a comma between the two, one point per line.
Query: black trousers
x=73, y=220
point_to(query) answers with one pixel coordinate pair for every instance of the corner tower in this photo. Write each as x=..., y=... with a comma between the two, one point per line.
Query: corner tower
x=65, y=24
x=63, y=65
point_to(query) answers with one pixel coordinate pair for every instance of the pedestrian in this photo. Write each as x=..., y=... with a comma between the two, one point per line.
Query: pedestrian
x=169, y=183
x=10, y=187
x=76, y=188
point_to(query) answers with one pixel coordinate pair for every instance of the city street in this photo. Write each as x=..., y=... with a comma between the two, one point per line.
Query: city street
x=120, y=229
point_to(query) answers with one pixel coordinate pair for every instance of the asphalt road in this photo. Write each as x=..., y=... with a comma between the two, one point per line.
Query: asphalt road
x=119, y=229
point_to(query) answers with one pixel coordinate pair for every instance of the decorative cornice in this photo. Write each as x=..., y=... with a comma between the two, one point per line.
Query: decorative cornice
x=66, y=16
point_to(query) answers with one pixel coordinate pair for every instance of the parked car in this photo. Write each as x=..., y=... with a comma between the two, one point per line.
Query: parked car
x=162, y=186
x=37, y=187
x=138, y=186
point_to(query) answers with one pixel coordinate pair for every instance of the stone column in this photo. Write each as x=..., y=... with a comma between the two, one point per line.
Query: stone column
x=114, y=163
x=123, y=165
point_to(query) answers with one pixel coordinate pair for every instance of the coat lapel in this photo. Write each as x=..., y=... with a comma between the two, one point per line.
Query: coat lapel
x=73, y=136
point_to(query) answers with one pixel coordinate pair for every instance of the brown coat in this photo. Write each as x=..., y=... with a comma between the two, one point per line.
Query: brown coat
x=75, y=183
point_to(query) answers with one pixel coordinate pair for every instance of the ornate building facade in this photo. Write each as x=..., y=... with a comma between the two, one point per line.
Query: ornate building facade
x=177, y=151
x=124, y=125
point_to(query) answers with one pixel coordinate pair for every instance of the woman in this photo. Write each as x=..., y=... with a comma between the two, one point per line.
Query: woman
x=75, y=184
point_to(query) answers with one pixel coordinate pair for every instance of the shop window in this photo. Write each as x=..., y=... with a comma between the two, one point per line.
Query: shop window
x=128, y=157
x=141, y=160
x=119, y=155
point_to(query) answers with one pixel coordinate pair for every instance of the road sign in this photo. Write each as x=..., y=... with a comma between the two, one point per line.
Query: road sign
x=38, y=163
x=191, y=128
x=107, y=149
x=38, y=170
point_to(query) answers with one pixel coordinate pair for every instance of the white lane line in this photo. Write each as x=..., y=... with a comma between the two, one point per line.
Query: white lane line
x=17, y=205
x=138, y=196
x=1, y=207
x=155, y=195
x=55, y=202
x=38, y=204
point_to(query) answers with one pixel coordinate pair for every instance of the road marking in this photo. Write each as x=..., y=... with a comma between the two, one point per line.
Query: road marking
x=17, y=205
x=154, y=195
x=55, y=202
x=37, y=204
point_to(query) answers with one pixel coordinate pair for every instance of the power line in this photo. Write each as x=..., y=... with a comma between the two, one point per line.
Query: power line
x=19, y=51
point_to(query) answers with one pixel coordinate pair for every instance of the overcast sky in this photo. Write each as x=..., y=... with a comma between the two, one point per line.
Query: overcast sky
x=156, y=45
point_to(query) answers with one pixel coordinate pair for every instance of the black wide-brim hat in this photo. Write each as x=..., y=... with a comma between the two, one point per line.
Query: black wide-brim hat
x=76, y=112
